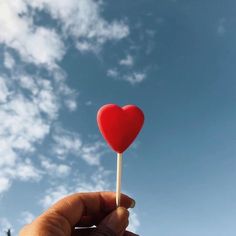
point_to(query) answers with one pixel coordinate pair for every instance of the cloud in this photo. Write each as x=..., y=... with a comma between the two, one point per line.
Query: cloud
x=135, y=78
x=9, y=61
x=4, y=184
x=52, y=195
x=25, y=171
x=43, y=45
x=4, y=92
x=113, y=73
x=65, y=143
x=128, y=61
x=26, y=217
x=92, y=152
x=35, y=44
x=68, y=143
x=98, y=181
x=54, y=169
x=134, y=222
x=28, y=106
x=82, y=20
x=5, y=225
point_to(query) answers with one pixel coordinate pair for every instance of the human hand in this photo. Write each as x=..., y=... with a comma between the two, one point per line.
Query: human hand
x=83, y=210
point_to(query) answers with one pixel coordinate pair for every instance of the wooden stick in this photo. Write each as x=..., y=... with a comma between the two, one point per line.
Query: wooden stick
x=118, y=178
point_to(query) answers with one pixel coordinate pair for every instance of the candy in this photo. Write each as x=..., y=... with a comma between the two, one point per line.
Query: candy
x=119, y=127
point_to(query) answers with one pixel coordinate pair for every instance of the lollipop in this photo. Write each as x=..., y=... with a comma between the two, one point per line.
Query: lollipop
x=119, y=127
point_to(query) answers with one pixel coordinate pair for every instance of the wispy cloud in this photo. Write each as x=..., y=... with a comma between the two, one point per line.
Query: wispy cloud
x=132, y=77
x=28, y=106
x=113, y=73
x=5, y=225
x=67, y=143
x=55, y=169
x=26, y=217
x=98, y=181
x=9, y=61
x=4, y=184
x=135, y=77
x=134, y=222
x=18, y=31
x=128, y=61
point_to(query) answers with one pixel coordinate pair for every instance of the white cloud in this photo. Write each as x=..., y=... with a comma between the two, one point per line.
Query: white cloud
x=71, y=104
x=23, y=121
x=26, y=171
x=53, y=195
x=4, y=184
x=26, y=217
x=113, y=73
x=128, y=61
x=82, y=21
x=4, y=91
x=9, y=61
x=135, y=77
x=68, y=143
x=35, y=44
x=54, y=169
x=28, y=107
x=134, y=222
x=92, y=152
x=5, y=225
x=97, y=182
x=65, y=143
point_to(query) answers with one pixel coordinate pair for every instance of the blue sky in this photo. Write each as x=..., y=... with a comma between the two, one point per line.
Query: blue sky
x=62, y=60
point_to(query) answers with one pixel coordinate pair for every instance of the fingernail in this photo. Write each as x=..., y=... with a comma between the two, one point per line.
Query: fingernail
x=133, y=204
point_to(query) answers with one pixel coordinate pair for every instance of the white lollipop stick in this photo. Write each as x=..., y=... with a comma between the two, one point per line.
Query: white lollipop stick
x=118, y=178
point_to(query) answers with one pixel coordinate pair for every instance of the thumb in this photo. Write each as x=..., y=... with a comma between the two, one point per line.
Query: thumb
x=113, y=224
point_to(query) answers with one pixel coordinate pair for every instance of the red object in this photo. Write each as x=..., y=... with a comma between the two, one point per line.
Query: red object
x=120, y=125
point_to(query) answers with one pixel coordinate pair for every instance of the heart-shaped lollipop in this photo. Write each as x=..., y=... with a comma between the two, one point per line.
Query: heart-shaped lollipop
x=119, y=127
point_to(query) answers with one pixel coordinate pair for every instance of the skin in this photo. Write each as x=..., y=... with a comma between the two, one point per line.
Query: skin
x=83, y=210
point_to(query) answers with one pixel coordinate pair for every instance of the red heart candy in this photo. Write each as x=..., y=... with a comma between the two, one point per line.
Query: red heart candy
x=120, y=125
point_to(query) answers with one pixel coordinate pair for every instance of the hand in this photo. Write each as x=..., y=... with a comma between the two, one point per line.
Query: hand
x=83, y=210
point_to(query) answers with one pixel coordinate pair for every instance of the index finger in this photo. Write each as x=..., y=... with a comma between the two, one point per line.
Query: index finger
x=75, y=206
